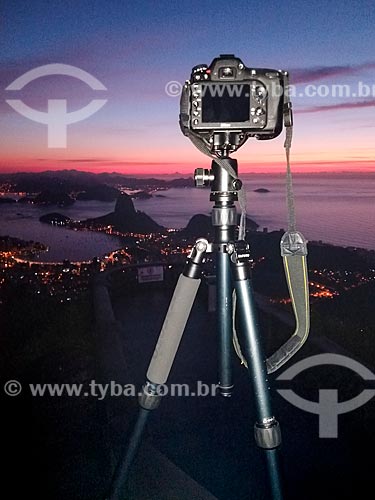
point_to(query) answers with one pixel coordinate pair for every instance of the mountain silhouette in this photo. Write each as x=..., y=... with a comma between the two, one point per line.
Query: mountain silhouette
x=127, y=219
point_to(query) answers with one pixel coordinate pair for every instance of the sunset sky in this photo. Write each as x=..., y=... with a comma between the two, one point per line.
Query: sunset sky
x=135, y=48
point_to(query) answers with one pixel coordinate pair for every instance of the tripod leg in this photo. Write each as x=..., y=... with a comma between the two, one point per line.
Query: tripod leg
x=118, y=487
x=162, y=359
x=267, y=429
x=224, y=322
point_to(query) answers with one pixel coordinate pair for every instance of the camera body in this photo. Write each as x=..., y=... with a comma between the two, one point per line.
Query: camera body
x=227, y=102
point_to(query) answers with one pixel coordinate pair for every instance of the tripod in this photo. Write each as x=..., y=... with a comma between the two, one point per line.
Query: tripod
x=232, y=270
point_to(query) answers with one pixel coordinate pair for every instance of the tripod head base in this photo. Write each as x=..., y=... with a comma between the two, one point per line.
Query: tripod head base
x=224, y=187
x=227, y=141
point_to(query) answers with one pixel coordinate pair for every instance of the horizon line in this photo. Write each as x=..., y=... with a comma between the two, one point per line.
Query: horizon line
x=277, y=171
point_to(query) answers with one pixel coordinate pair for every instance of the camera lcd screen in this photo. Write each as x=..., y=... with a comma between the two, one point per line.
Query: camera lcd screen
x=225, y=103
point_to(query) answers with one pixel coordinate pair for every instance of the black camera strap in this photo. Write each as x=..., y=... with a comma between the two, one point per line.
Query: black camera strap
x=293, y=247
x=294, y=254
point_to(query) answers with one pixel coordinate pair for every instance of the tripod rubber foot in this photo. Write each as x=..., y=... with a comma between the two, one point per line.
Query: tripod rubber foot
x=268, y=436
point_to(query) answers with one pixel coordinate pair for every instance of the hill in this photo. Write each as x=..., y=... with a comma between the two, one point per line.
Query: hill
x=126, y=218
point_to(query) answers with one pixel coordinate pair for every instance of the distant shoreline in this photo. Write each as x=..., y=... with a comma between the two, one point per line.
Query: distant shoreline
x=334, y=209
x=161, y=176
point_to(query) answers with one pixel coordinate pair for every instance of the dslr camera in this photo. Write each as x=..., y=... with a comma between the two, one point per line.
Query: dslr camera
x=226, y=103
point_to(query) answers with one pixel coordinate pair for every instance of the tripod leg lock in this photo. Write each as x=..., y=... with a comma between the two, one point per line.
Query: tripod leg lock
x=226, y=390
x=268, y=435
x=239, y=252
x=193, y=267
x=149, y=399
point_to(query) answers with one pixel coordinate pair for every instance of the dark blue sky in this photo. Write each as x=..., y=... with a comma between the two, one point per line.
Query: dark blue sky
x=136, y=48
x=318, y=32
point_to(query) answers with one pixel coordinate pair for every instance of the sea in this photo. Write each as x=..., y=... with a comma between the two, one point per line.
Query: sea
x=333, y=208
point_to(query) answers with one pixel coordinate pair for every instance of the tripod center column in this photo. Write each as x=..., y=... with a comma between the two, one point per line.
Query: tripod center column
x=224, y=220
x=224, y=189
